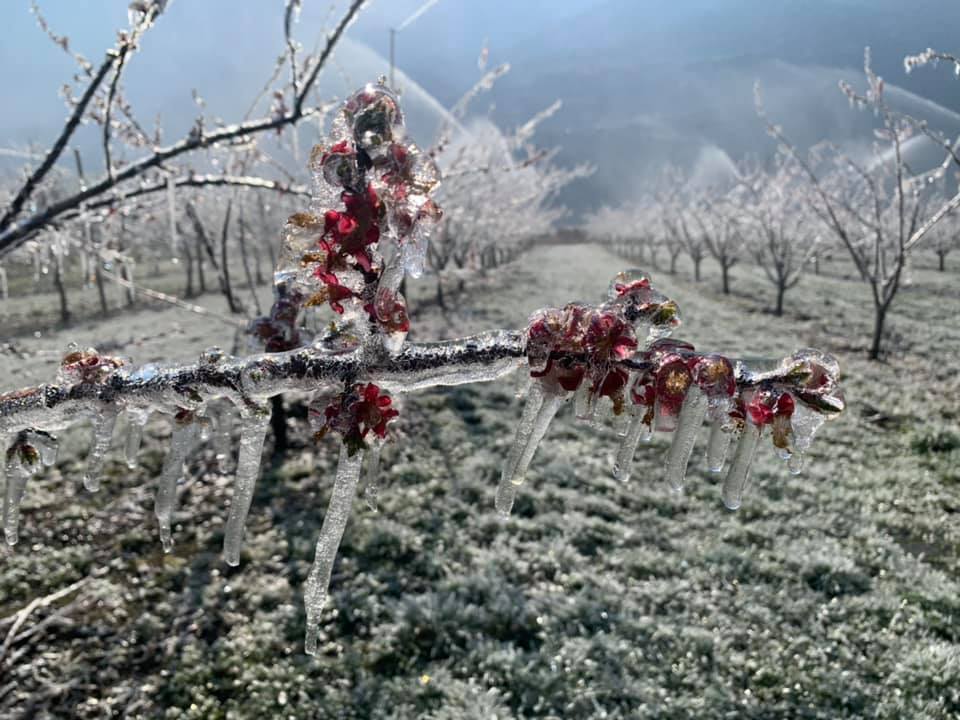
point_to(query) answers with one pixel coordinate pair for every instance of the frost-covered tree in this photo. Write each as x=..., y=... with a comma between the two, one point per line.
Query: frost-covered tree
x=721, y=232
x=781, y=235
x=880, y=211
x=485, y=168
x=945, y=238
x=367, y=227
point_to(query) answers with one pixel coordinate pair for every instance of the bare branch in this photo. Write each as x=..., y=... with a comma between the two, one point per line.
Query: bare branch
x=54, y=153
x=13, y=234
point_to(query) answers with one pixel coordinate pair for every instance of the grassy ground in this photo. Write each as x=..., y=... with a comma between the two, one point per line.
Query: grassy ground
x=832, y=594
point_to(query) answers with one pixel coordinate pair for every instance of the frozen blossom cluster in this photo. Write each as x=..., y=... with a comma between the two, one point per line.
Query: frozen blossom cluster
x=368, y=228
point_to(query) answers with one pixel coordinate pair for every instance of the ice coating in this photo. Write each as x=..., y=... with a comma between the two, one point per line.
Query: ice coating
x=181, y=443
x=334, y=522
x=368, y=225
x=253, y=430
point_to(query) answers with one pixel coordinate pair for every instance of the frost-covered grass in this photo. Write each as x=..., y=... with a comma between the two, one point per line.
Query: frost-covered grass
x=832, y=594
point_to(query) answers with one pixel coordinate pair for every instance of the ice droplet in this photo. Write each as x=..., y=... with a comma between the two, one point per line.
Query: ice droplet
x=181, y=442
x=692, y=413
x=795, y=463
x=103, y=423
x=253, y=430
x=334, y=522
x=739, y=472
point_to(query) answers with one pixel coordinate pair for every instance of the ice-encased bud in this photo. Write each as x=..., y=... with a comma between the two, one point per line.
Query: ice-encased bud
x=816, y=380
x=338, y=165
x=627, y=282
x=652, y=314
x=375, y=118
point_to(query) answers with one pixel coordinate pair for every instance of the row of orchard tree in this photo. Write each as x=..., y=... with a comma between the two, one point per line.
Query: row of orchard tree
x=790, y=213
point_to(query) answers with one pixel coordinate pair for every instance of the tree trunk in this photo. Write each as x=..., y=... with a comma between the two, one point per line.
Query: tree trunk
x=232, y=302
x=188, y=267
x=941, y=264
x=257, y=264
x=673, y=264
x=781, y=291
x=696, y=269
x=61, y=291
x=440, y=300
x=879, y=318
x=242, y=239
x=726, y=278
x=101, y=291
x=200, y=275
x=816, y=264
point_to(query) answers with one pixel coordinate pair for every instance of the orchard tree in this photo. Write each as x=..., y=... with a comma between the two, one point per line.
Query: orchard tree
x=366, y=228
x=945, y=237
x=781, y=234
x=721, y=232
x=875, y=211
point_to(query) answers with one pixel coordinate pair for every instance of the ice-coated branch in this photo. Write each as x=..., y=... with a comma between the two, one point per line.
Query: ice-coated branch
x=249, y=182
x=367, y=228
x=417, y=366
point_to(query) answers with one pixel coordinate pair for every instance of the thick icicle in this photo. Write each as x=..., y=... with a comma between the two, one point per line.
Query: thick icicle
x=692, y=413
x=739, y=472
x=334, y=522
x=136, y=419
x=18, y=472
x=253, y=429
x=181, y=442
x=636, y=431
x=372, y=491
x=551, y=404
x=506, y=491
x=531, y=431
x=717, y=446
x=103, y=423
